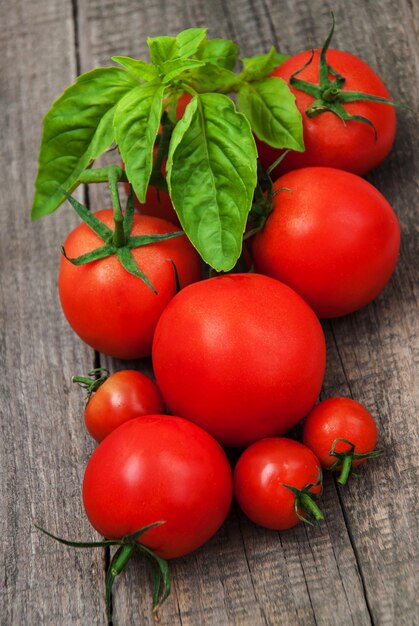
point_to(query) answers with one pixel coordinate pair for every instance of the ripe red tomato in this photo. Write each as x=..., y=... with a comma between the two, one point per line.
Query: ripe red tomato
x=112, y=310
x=158, y=468
x=332, y=237
x=262, y=478
x=241, y=355
x=329, y=141
x=333, y=421
x=123, y=396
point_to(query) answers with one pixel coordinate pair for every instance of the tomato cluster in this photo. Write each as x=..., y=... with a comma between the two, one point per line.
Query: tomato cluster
x=239, y=359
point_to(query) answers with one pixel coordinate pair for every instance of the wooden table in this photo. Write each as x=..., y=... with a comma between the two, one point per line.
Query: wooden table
x=358, y=568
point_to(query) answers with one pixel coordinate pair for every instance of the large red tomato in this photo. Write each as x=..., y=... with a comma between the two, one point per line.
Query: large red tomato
x=329, y=141
x=332, y=237
x=112, y=310
x=158, y=468
x=242, y=355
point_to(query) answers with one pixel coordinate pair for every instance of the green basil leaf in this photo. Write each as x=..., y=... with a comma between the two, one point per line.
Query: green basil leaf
x=172, y=69
x=138, y=68
x=213, y=78
x=221, y=52
x=77, y=129
x=137, y=121
x=211, y=173
x=273, y=115
x=184, y=45
x=257, y=67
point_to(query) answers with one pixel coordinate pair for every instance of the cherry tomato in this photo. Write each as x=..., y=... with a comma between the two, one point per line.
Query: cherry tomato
x=350, y=145
x=117, y=399
x=112, y=310
x=242, y=355
x=276, y=483
x=342, y=434
x=158, y=468
x=332, y=237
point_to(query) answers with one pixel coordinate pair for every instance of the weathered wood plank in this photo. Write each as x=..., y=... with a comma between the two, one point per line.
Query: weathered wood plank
x=43, y=446
x=297, y=577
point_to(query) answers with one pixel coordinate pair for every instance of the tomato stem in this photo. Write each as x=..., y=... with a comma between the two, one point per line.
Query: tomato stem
x=308, y=505
x=346, y=470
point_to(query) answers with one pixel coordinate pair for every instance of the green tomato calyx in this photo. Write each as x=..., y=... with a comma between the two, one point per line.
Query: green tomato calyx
x=305, y=505
x=118, y=242
x=329, y=94
x=344, y=460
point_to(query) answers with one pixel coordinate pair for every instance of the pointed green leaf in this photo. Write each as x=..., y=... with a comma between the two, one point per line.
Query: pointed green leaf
x=188, y=41
x=137, y=121
x=213, y=78
x=221, y=52
x=77, y=129
x=270, y=108
x=172, y=69
x=184, y=45
x=138, y=68
x=211, y=173
x=260, y=66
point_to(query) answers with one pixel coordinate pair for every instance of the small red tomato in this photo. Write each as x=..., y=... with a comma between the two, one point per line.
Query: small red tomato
x=331, y=236
x=158, y=468
x=117, y=399
x=342, y=433
x=276, y=483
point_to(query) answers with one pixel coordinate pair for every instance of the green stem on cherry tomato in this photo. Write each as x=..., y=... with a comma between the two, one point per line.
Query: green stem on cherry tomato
x=119, y=238
x=346, y=470
x=308, y=505
x=90, y=382
x=344, y=460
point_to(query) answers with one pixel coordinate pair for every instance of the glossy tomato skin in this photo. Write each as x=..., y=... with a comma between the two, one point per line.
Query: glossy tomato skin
x=341, y=418
x=158, y=468
x=260, y=474
x=332, y=237
x=123, y=396
x=246, y=361
x=112, y=310
x=329, y=142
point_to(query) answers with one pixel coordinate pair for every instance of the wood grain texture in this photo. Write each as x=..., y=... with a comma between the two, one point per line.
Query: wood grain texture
x=359, y=568
x=43, y=446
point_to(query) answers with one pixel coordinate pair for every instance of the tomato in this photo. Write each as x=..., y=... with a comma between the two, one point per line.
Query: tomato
x=112, y=310
x=276, y=478
x=158, y=468
x=332, y=237
x=350, y=145
x=241, y=355
x=121, y=397
x=342, y=433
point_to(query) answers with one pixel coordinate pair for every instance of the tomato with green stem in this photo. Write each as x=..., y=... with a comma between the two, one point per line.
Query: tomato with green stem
x=158, y=486
x=342, y=434
x=118, y=272
x=349, y=121
x=277, y=482
x=115, y=399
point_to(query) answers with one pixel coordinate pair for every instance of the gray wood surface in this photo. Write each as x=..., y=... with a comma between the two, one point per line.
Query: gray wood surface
x=359, y=568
